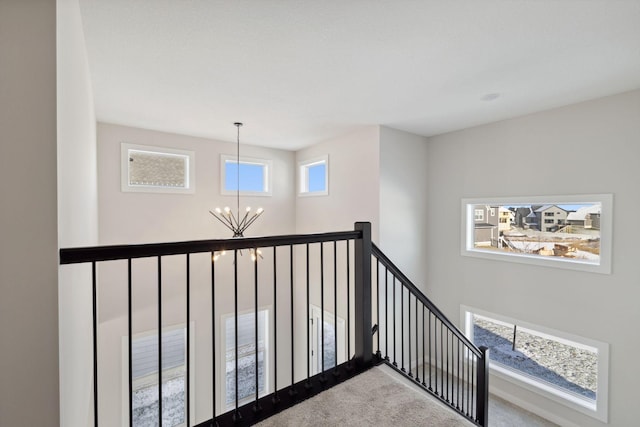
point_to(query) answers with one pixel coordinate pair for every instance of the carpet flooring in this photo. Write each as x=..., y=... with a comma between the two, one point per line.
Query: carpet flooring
x=381, y=397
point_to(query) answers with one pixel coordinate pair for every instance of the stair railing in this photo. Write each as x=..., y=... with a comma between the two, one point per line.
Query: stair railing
x=415, y=338
x=339, y=272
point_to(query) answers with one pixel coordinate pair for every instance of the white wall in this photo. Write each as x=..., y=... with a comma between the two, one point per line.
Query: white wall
x=403, y=201
x=591, y=147
x=77, y=213
x=353, y=184
x=29, y=393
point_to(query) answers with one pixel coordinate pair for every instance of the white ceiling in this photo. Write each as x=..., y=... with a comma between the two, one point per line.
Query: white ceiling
x=297, y=71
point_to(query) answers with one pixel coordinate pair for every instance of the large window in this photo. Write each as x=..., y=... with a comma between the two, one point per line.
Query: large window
x=571, y=232
x=567, y=368
x=156, y=170
x=246, y=357
x=314, y=177
x=144, y=350
x=252, y=176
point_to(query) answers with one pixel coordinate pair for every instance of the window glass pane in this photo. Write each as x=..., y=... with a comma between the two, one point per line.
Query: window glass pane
x=246, y=357
x=317, y=177
x=558, y=362
x=154, y=169
x=252, y=176
x=145, y=379
x=568, y=232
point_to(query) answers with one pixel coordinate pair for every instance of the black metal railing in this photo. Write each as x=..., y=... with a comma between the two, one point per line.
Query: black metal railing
x=416, y=338
x=340, y=273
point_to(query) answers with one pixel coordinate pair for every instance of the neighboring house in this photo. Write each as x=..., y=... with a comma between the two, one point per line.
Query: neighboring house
x=531, y=220
x=520, y=215
x=586, y=216
x=485, y=221
x=550, y=218
x=506, y=218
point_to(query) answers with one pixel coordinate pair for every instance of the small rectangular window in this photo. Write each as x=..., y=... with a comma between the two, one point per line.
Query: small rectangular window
x=251, y=176
x=156, y=170
x=314, y=177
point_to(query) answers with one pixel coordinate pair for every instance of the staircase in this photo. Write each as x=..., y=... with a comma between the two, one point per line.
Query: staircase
x=266, y=288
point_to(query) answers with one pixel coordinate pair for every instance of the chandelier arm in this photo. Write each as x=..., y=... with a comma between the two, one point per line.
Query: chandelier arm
x=223, y=222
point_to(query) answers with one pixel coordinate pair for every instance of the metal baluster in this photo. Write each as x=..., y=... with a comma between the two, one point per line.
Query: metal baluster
x=402, y=327
x=417, y=342
x=425, y=335
x=348, y=306
x=130, y=338
x=386, y=314
x=441, y=359
x=94, y=302
x=292, y=390
x=378, y=353
x=447, y=372
x=188, y=350
x=409, y=327
x=322, y=378
x=395, y=341
x=256, y=406
x=236, y=414
x=275, y=398
x=335, y=306
x=160, y=341
x=308, y=382
x=458, y=374
x=430, y=340
x=213, y=337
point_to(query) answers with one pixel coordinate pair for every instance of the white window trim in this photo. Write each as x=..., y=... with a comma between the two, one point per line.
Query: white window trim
x=192, y=369
x=267, y=172
x=606, y=231
x=314, y=353
x=124, y=170
x=599, y=410
x=222, y=387
x=303, y=176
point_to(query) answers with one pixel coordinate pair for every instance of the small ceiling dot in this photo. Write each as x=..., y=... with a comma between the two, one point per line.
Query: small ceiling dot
x=490, y=97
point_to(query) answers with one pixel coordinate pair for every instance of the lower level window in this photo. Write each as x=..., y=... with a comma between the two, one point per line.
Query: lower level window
x=246, y=354
x=145, y=379
x=569, y=369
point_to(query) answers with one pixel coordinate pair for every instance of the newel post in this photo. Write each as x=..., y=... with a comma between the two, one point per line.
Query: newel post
x=482, y=402
x=363, y=335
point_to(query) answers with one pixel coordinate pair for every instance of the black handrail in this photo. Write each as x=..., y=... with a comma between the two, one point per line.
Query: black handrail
x=116, y=252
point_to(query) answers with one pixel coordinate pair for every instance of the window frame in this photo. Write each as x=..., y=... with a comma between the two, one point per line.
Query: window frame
x=598, y=409
x=125, y=185
x=192, y=368
x=267, y=175
x=303, y=176
x=606, y=231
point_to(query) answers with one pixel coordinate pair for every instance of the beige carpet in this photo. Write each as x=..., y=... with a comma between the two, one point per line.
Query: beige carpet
x=377, y=397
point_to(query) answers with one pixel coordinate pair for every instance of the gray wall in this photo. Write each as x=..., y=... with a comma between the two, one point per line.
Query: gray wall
x=596, y=151
x=28, y=214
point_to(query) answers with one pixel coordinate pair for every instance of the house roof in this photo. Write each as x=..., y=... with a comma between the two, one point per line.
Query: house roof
x=581, y=213
x=547, y=207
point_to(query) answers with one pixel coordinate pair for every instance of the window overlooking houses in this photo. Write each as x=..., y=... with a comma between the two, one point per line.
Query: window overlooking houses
x=156, y=169
x=572, y=370
x=314, y=177
x=252, y=175
x=562, y=231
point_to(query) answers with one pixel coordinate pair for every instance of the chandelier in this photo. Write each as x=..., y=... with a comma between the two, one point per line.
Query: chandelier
x=236, y=222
